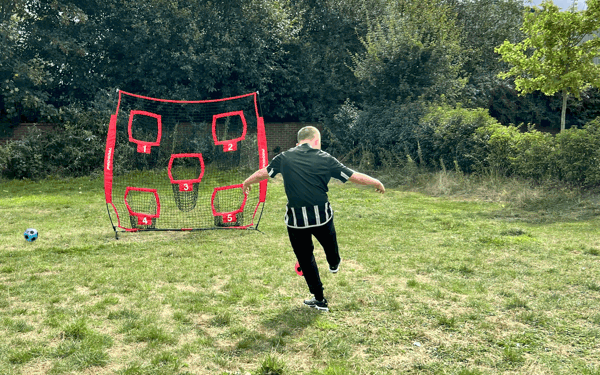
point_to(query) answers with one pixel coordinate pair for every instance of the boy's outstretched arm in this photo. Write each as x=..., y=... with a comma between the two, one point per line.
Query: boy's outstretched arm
x=363, y=179
x=256, y=177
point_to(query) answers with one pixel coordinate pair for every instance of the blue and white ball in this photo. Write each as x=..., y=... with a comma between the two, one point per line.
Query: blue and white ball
x=31, y=234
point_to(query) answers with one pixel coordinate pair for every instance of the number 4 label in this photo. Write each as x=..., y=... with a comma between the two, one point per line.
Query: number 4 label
x=143, y=220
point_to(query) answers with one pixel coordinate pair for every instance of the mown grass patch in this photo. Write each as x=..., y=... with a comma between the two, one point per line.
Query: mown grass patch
x=467, y=283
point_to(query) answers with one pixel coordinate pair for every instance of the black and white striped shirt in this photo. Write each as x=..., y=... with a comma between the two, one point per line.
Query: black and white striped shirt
x=306, y=173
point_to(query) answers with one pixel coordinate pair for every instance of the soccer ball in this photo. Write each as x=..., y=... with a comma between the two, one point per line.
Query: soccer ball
x=31, y=234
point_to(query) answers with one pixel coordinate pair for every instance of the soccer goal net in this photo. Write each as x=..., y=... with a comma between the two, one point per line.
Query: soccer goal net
x=179, y=165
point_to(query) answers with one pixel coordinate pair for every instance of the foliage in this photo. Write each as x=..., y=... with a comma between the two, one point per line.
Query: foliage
x=74, y=148
x=557, y=55
x=485, y=24
x=447, y=136
x=412, y=52
x=22, y=75
x=578, y=154
x=368, y=70
x=571, y=156
x=24, y=158
x=375, y=136
x=77, y=147
x=318, y=77
x=397, y=134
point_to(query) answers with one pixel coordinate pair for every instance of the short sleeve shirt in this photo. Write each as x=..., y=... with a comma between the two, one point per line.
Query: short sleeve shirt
x=306, y=172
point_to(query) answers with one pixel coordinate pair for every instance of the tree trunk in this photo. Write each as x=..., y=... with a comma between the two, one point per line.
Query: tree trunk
x=563, y=115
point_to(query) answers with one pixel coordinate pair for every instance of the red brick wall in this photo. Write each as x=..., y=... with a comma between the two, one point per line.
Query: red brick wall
x=22, y=129
x=279, y=135
x=283, y=135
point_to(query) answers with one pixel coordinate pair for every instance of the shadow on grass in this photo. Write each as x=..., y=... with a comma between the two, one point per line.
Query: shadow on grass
x=282, y=326
x=292, y=320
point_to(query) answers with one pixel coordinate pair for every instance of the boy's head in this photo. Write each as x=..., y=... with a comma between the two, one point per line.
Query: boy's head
x=310, y=135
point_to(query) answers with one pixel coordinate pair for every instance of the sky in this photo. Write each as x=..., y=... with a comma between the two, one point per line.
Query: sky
x=563, y=4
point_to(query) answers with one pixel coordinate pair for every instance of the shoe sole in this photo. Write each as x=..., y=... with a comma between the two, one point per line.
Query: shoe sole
x=337, y=269
x=317, y=307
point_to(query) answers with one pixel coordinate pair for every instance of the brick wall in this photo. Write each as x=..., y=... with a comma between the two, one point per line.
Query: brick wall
x=22, y=129
x=280, y=136
x=283, y=135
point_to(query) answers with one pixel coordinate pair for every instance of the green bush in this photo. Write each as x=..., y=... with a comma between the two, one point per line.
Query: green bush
x=578, y=154
x=495, y=145
x=375, y=135
x=533, y=155
x=76, y=148
x=25, y=158
x=448, y=135
x=511, y=151
x=571, y=156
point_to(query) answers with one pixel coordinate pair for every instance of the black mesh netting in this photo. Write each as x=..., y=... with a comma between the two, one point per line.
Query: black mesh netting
x=173, y=165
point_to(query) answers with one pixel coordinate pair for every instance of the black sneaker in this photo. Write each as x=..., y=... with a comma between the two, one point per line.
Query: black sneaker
x=319, y=305
x=334, y=269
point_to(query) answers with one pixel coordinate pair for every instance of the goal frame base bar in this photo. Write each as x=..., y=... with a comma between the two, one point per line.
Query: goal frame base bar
x=250, y=227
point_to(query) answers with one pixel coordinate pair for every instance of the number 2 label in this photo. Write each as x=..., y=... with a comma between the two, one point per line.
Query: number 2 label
x=230, y=146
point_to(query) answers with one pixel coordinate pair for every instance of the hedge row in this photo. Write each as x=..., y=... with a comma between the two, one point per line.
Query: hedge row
x=438, y=137
x=469, y=140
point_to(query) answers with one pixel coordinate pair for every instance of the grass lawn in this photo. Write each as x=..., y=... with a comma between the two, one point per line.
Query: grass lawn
x=427, y=285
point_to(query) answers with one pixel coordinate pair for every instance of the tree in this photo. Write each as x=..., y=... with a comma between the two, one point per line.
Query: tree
x=558, y=53
x=413, y=52
x=485, y=24
x=24, y=74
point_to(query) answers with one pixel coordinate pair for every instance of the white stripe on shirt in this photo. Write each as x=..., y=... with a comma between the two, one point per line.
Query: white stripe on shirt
x=305, y=215
x=294, y=215
x=317, y=216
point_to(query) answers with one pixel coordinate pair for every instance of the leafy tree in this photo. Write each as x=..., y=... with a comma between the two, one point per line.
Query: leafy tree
x=558, y=53
x=195, y=49
x=23, y=75
x=318, y=61
x=413, y=52
x=485, y=24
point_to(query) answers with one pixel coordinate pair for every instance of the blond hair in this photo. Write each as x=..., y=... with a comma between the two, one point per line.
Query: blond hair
x=307, y=133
